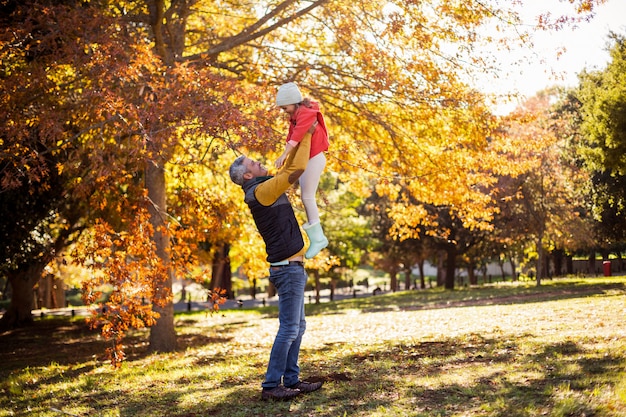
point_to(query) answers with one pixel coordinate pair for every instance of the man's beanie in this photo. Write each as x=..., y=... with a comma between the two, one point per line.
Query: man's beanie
x=288, y=94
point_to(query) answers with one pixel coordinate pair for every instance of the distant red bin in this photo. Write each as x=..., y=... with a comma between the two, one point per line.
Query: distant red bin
x=607, y=268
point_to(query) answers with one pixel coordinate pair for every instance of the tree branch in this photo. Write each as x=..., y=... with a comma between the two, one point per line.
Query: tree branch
x=254, y=31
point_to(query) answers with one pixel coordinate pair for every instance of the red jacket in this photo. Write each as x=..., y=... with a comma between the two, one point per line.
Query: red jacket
x=302, y=120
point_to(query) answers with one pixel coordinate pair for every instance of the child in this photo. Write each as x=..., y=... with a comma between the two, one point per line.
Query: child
x=303, y=113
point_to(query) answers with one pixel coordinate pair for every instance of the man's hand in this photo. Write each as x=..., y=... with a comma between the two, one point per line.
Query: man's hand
x=312, y=128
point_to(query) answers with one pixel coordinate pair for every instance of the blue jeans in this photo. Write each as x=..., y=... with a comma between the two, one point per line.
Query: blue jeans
x=289, y=281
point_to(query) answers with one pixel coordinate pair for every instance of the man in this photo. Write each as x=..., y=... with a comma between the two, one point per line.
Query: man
x=279, y=228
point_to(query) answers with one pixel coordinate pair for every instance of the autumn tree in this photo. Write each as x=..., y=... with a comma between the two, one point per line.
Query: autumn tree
x=39, y=221
x=550, y=207
x=395, y=253
x=88, y=104
x=602, y=100
x=43, y=195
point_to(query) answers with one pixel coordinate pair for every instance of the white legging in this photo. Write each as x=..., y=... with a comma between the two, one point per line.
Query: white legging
x=309, y=181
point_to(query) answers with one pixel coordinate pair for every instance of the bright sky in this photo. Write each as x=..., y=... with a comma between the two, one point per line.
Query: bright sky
x=584, y=48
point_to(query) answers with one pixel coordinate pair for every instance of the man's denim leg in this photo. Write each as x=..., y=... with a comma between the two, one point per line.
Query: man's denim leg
x=289, y=282
x=292, y=370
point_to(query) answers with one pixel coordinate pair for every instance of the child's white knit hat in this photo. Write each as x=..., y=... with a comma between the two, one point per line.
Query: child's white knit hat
x=288, y=94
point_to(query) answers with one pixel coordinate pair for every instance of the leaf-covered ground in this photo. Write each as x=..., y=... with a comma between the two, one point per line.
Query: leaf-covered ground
x=521, y=351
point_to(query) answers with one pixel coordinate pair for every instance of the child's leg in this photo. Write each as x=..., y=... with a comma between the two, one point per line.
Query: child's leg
x=308, y=187
x=309, y=182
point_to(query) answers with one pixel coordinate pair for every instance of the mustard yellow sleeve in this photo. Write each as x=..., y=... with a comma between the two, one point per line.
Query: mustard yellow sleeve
x=269, y=191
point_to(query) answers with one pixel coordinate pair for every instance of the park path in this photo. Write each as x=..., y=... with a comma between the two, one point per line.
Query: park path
x=584, y=317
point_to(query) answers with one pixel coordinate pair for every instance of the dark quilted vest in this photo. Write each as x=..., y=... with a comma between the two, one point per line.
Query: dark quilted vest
x=277, y=223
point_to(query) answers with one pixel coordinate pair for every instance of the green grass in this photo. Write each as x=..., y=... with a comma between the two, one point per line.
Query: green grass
x=500, y=350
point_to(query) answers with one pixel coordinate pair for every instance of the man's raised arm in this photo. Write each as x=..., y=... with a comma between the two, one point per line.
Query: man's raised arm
x=269, y=191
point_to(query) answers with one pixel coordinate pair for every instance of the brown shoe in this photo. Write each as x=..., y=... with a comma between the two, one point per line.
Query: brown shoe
x=279, y=393
x=306, y=387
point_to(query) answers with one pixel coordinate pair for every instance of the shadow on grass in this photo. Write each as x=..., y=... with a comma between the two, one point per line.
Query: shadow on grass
x=494, y=374
x=458, y=376
x=58, y=340
x=67, y=342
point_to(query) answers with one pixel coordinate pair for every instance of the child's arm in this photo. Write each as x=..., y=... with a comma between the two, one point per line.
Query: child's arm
x=281, y=159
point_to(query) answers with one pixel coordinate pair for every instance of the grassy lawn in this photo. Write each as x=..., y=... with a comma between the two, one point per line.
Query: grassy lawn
x=501, y=350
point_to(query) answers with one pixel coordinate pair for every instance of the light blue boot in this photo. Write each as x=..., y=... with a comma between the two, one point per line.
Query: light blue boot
x=317, y=238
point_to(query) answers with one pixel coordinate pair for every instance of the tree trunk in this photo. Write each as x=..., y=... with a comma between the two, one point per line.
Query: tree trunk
x=592, y=263
x=253, y=289
x=420, y=265
x=22, y=281
x=393, y=280
x=50, y=292
x=483, y=270
x=217, y=268
x=318, y=286
x=557, y=256
x=407, y=278
x=450, y=266
x=441, y=273
x=502, y=272
x=162, y=334
x=513, y=272
x=221, y=276
x=471, y=275
x=569, y=265
x=540, y=261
